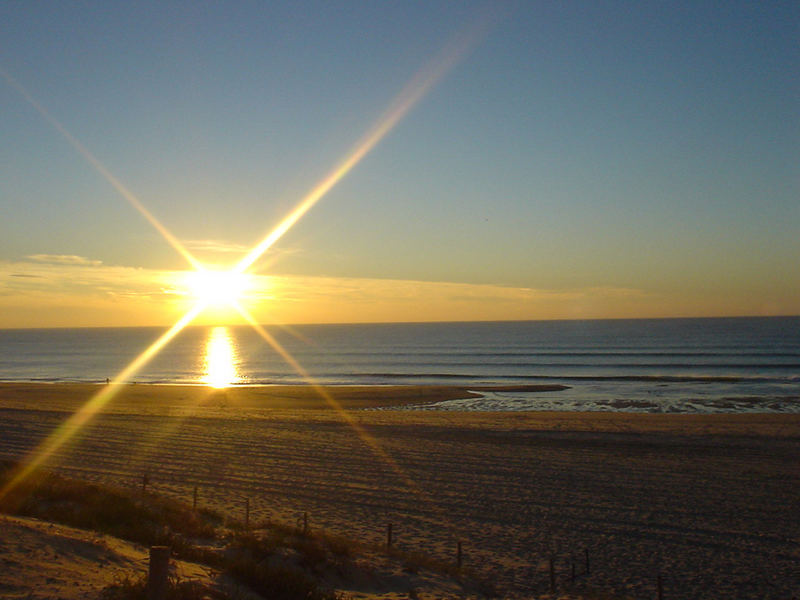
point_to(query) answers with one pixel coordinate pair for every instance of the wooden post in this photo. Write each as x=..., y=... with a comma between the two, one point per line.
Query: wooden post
x=158, y=571
x=305, y=523
x=572, y=568
x=389, y=536
x=194, y=499
x=145, y=481
x=586, y=555
x=247, y=513
x=660, y=585
x=458, y=555
x=552, y=575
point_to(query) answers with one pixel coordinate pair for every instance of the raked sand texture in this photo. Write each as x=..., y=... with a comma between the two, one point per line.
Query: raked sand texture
x=710, y=502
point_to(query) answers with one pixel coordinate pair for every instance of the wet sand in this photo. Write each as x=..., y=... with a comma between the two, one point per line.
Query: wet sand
x=708, y=501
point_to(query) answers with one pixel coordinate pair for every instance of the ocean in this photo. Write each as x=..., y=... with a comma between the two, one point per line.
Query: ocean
x=643, y=365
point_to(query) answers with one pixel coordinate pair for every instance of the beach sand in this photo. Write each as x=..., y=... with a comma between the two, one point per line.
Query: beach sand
x=709, y=502
x=46, y=560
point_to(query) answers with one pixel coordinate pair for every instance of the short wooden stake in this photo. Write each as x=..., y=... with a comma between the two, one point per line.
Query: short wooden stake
x=305, y=523
x=586, y=555
x=247, y=513
x=572, y=568
x=157, y=574
x=194, y=499
x=458, y=555
x=389, y=536
x=145, y=481
x=552, y=574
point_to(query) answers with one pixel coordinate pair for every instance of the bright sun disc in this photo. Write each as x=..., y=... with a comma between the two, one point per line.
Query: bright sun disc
x=218, y=288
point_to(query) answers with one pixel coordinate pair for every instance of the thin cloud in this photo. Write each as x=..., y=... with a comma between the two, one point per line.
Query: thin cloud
x=64, y=259
x=216, y=246
x=316, y=299
x=218, y=253
x=77, y=275
x=615, y=292
x=36, y=294
x=48, y=293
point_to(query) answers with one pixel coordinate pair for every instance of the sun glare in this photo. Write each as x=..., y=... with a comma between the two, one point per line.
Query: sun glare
x=218, y=288
x=221, y=360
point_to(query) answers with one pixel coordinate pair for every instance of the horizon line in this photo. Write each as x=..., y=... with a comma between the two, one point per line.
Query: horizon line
x=432, y=322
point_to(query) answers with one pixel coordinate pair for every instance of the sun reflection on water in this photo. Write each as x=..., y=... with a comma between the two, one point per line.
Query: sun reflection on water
x=221, y=360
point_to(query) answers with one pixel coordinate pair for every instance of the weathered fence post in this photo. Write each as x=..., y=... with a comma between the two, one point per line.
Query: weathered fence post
x=157, y=574
x=389, y=536
x=552, y=575
x=305, y=523
x=458, y=555
x=145, y=481
x=572, y=568
x=586, y=555
x=194, y=499
x=247, y=513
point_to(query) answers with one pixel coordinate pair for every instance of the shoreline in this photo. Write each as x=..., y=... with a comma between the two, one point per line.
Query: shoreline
x=386, y=405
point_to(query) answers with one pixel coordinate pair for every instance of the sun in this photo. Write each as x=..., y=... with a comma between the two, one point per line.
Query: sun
x=218, y=289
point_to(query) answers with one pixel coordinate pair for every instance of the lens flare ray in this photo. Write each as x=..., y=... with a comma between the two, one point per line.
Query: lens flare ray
x=104, y=172
x=67, y=430
x=363, y=435
x=411, y=94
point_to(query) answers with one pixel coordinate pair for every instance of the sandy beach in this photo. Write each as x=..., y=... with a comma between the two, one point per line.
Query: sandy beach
x=709, y=502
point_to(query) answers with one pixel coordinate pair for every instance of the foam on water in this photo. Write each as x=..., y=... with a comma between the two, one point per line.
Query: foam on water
x=638, y=403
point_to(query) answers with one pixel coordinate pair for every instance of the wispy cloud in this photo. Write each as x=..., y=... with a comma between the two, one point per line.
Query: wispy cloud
x=311, y=299
x=128, y=295
x=64, y=259
x=215, y=246
x=61, y=274
x=223, y=254
x=83, y=291
x=66, y=290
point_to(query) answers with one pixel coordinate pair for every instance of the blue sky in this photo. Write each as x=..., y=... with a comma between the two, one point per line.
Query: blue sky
x=600, y=150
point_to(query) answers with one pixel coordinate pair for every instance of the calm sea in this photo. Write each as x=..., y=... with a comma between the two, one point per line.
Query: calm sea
x=662, y=365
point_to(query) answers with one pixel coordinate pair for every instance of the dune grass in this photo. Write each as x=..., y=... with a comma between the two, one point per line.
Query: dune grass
x=135, y=588
x=278, y=563
x=272, y=560
x=144, y=519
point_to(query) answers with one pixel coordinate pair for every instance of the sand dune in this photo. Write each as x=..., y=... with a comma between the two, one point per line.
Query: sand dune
x=44, y=560
x=710, y=502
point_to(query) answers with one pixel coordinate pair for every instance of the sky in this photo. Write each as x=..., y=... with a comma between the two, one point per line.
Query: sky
x=505, y=160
